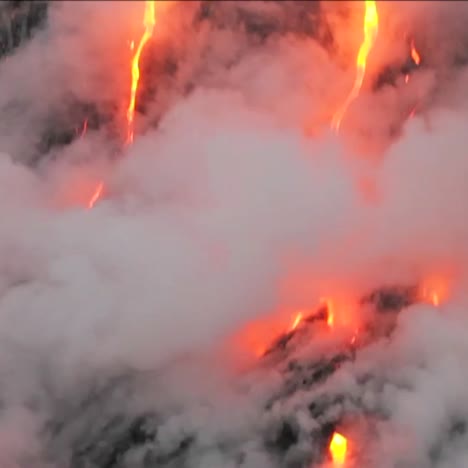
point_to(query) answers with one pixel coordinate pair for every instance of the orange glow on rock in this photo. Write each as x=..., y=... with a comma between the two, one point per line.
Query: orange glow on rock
x=435, y=290
x=330, y=311
x=258, y=335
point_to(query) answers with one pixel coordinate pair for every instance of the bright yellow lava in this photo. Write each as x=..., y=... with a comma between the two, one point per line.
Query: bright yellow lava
x=371, y=28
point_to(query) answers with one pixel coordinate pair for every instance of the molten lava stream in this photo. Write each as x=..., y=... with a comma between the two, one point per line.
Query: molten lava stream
x=96, y=195
x=148, y=22
x=297, y=321
x=371, y=26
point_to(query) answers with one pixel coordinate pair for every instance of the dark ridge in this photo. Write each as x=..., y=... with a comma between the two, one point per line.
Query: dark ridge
x=19, y=21
x=391, y=298
x=321, y=315
x=453, y=434
x=172, y=456
x=286, y=437
x=119, y=436
x=294, y=17
x=67, y=124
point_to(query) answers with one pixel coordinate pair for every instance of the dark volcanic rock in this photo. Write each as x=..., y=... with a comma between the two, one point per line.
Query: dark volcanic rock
x=19, y=20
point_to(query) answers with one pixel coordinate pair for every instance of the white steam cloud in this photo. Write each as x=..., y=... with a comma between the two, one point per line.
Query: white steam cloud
x=233, y=189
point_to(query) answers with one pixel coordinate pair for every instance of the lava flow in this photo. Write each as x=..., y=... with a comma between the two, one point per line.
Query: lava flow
x=416, y=58
x=330, y=312
x=148, y=22
x=299, y=317
x=415, y=54
x=297, y=321
x=338, y=448
x=96, y=195
x=371, y=26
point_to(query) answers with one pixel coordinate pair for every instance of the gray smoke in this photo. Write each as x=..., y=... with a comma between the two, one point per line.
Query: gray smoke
x=235, y=205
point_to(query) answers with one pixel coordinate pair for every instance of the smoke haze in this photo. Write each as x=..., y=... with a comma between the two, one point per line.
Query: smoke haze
x=235, y=205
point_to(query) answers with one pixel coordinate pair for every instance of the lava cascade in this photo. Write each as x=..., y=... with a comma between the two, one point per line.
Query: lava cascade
x=149, y=20
x=371, y=27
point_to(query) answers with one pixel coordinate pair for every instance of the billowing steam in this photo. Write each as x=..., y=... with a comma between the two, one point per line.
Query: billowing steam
x=142, y=332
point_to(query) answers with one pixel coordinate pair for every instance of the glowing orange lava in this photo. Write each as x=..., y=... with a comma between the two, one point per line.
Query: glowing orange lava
x=297, y=321
x=330, y=311
x=97, y=193
x=99, y=188
x=149, y=22
x=415, y=57
x=338, y=448
x=371, y=26
x=435, y=291
x=417, y=60
x=415, y=54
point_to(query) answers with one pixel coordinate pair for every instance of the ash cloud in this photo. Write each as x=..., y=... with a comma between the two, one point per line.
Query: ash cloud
x=234, y=202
